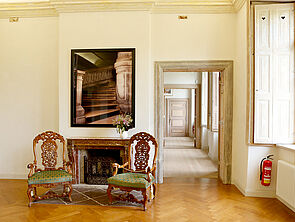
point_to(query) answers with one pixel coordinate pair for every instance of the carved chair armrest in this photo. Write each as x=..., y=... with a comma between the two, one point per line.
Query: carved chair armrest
x=31, y=166
x=117, y=166
x=148, y=174
x=153, y=170
x=69, y=167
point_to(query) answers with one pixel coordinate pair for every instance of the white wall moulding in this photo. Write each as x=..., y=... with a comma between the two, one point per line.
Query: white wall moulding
x=238, y=4
x=47, y=8
x=27, y=10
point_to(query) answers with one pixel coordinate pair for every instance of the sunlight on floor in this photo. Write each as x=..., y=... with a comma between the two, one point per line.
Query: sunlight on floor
x=181, y=159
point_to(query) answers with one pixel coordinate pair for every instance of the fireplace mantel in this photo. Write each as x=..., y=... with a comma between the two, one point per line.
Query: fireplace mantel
x=74, y=145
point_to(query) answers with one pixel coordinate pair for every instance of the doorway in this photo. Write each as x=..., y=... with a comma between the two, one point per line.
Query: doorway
x=177, y=115
x=189, y=153
x=225, y=68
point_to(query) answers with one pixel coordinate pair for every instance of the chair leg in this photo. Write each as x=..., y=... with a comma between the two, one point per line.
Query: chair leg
x=154, y=190
x=150, y=193
x=64, y=192
x=145, y=198
x=29, y=193
x=67, y=191
x=70, y=192
x=35, y=191
x=110, y=187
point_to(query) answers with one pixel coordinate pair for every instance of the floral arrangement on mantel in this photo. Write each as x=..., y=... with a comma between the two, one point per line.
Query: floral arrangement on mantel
x=123, y=123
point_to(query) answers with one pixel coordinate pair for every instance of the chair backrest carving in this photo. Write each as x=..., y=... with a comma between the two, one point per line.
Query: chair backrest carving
x=143, y=149
x=49, y=149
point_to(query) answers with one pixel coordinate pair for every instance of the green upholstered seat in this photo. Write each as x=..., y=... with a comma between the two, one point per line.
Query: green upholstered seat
x=134, y=180
x=51, y=176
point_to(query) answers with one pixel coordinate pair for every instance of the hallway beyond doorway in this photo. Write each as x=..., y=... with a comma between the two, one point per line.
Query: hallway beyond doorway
x=181, y=159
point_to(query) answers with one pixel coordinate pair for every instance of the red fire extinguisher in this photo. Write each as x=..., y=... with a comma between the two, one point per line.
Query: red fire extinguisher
x=265, y=170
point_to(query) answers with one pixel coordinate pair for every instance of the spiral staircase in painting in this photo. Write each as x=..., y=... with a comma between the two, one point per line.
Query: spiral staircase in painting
x=103, y=86
x=101, y=105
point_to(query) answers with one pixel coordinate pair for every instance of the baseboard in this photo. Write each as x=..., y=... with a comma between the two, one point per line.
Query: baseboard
x=239, y=188
x=255, y=193
x=285, y=203
x=260, y=193
x=13, y=176
x=211, y=157
x=205, y=147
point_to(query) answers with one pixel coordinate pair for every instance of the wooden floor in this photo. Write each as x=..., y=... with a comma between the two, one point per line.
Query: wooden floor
x=179, y=142
x=187, y=163
x=186, y=200
x=182, y=159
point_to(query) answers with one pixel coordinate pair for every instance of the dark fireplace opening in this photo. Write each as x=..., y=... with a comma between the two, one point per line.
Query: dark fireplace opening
x=98, y=165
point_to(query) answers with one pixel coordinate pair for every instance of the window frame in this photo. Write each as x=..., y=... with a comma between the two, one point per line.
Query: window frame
x=250, y=108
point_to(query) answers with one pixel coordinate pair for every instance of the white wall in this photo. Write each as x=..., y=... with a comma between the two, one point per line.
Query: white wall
x=239, y=146
x=182, y=78
x=106, y=30
x=200, y=37
x=179, y=94
x=254, y=187
x=192, y=117
x=205, y=144
x=287, y=155
x=213, y=145
x=29, y=89
x=204, y=98
x=246, y=159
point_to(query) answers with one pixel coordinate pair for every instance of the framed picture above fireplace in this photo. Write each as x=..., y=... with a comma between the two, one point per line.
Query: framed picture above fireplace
x=102, y=86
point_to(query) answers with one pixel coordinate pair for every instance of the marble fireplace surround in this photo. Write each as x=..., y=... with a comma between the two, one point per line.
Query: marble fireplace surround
x=77, y=146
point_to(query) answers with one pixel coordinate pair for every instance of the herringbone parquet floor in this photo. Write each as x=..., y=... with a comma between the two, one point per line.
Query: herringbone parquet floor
x=191, y=200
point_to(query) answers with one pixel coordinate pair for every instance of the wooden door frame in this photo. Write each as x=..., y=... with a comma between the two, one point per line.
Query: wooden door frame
x=226, y=71
x=198, y=117
x=188, y=113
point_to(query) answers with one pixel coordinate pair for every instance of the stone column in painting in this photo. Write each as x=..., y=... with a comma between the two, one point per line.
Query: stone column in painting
x=123, y=68
x=80, y=112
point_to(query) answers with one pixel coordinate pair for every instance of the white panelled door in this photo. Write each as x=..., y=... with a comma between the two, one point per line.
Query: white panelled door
x=274, y=73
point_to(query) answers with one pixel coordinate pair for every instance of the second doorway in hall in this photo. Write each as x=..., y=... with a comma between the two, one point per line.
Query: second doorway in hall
x=177, y=116
x=186, y=108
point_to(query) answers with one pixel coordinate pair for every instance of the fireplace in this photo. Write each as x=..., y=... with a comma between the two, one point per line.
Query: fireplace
x=92, y=158
x=97, y=165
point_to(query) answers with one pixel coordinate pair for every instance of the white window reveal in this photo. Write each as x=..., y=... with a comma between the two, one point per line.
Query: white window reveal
x=274, y=74
x=215, y=100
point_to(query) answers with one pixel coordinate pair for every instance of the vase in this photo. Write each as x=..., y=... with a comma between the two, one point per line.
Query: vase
x=123, y=135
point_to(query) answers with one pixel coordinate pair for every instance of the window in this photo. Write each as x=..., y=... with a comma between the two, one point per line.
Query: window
x=213, y=100
x=273, y=65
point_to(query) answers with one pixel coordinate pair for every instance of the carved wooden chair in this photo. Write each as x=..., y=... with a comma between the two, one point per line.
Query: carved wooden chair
x=139, y=171
x=50, y=176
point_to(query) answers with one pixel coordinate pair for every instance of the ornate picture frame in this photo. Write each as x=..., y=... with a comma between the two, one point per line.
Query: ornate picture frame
x=102, y=86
